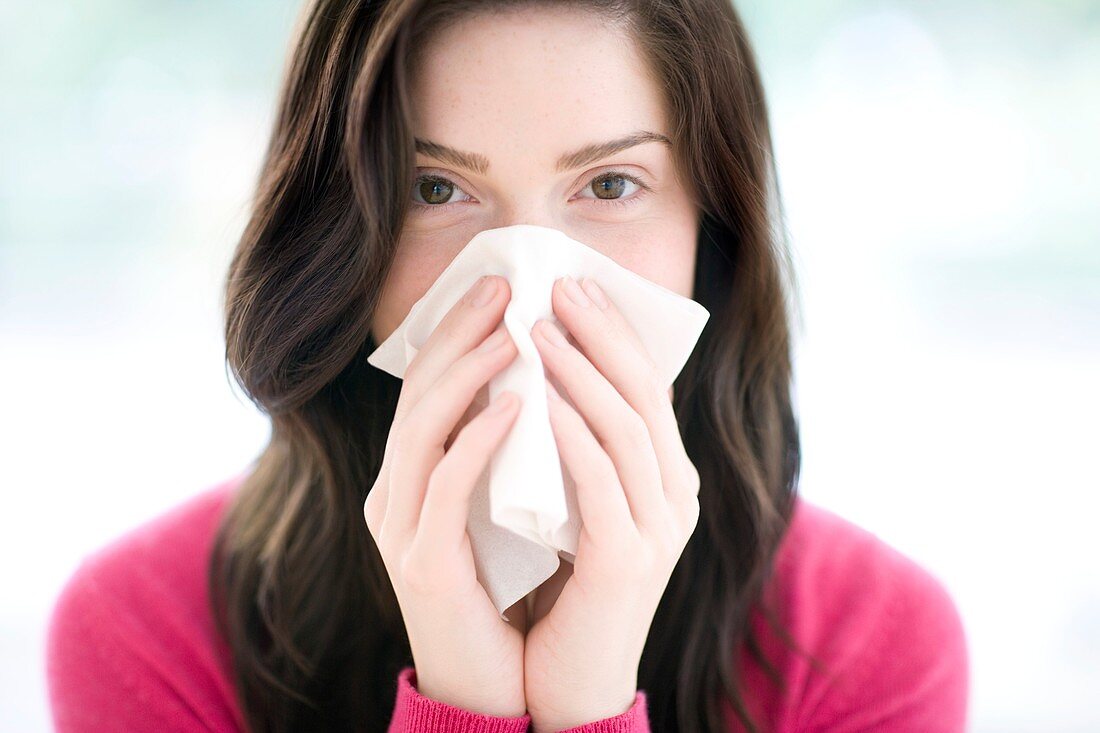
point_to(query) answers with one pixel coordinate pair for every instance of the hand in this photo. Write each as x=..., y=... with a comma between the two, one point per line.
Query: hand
x=465, y=654
x=637, y=492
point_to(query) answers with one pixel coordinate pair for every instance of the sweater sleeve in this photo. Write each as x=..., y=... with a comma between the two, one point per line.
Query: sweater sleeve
x=99, y=678
x=414, y=713
x=910, y=673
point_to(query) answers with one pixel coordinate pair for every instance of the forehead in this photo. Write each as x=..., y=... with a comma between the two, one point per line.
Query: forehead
x=532, y=82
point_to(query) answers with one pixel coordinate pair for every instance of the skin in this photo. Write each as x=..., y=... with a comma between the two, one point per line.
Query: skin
x=521, y=89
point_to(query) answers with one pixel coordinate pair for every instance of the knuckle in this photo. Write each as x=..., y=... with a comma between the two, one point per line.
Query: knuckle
x=437, y=479
x=410, y=431
x=656, y=397
x=652, y=391
x=688, y=510
x=637, y=432
x=419, y=573
x=691, y=478
x=383, y=543
x=673, y=539
x=606, y=476
x=693, y=514
x=373, y=513
x=664, y=535
x=415, y=577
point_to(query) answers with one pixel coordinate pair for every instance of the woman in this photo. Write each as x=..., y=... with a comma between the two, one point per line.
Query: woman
x=331, y=587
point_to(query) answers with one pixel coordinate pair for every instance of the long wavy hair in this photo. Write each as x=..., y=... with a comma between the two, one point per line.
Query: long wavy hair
x=297, y=585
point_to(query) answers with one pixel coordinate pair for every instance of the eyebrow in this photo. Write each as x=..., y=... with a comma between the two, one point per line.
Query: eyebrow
x=582, y=156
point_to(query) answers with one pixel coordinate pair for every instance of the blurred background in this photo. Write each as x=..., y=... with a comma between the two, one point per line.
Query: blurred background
x=940, y=166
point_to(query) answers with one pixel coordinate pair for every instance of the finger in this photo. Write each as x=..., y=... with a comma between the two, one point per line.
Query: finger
x=423, y=432
x=600, y=497
x=620, y=430
x=442, y=525
x=613, y=346
x=466, y=325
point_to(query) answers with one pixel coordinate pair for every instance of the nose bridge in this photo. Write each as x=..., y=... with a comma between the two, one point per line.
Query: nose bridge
x=531, y=213
x=527, y=198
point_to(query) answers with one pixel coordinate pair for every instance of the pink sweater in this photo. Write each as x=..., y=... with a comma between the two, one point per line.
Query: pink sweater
x=131, y=645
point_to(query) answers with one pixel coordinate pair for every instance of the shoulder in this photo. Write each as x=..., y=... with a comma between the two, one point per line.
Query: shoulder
x=888, y=635
x=130, y=636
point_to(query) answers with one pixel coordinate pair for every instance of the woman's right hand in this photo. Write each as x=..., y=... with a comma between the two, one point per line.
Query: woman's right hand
x=464, y=653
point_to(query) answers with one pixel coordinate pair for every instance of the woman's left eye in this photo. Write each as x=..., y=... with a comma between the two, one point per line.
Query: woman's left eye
x=614, y=182
x=608, y=188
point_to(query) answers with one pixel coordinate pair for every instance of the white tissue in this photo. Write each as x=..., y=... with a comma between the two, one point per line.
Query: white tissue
x=523, y=510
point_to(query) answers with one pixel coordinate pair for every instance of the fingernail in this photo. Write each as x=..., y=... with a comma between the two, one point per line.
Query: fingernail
x=595, y=293
x=482, y=292
x=551, y=333
x=502, y=402
x=575, y=293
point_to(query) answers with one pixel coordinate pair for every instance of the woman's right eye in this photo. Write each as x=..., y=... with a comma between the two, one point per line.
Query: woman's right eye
x=434, y=192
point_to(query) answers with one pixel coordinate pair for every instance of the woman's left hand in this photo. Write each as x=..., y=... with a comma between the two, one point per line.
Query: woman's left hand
x=637, y=492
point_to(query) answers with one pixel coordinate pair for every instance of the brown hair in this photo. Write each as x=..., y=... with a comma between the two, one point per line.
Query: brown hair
x=297, y=585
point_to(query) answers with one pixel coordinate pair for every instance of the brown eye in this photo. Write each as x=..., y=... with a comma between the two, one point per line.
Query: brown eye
x=609, y=189
x=610, y=186
x=434, y=190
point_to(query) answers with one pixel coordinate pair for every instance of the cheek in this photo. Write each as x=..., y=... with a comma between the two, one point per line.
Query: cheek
x=662, y=252
x=661, y=246
x=416, y=266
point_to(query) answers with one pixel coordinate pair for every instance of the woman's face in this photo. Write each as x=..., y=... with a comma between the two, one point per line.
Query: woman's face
x=516, y=95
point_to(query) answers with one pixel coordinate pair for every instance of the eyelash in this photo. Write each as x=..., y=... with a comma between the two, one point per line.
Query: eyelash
x=621, y=202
